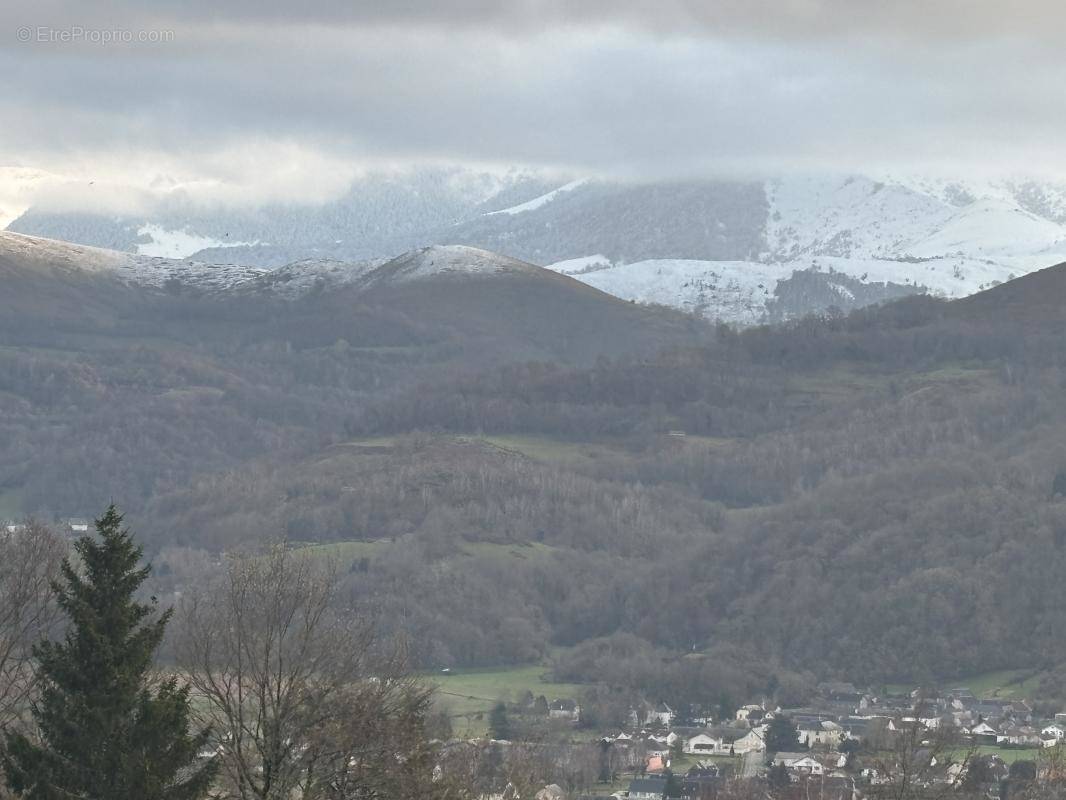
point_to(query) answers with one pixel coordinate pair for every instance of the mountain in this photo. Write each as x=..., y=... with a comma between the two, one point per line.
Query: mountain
x=492, y=307
x=729, y=250
x=509, y=463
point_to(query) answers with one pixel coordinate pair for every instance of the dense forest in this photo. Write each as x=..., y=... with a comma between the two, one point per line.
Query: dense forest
x=521, y=470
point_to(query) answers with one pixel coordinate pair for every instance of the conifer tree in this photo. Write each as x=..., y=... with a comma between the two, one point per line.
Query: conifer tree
x=108, y=731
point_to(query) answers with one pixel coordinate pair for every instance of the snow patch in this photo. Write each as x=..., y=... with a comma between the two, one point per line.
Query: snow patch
x=578, y=266
x=537, y=202
x=179, y=244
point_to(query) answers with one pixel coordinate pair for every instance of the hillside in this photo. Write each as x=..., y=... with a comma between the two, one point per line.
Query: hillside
x=496, y=452
x=1036, y=301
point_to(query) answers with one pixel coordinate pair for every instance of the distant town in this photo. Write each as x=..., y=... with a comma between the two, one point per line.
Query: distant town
x=846, y=744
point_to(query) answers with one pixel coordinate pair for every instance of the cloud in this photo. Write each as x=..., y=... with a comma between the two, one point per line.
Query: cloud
x=267, y=99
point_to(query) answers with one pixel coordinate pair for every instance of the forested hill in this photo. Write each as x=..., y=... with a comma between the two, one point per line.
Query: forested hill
x=500, y=461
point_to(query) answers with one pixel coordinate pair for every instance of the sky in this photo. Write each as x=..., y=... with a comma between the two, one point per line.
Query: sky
x=251, y=102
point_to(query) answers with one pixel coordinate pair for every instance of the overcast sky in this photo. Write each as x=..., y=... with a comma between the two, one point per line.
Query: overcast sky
x=260, y=99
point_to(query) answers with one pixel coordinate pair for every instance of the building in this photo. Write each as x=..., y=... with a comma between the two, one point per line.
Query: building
x=77, y=524
x=647, y=788
x=799, y=763
x=564, y=709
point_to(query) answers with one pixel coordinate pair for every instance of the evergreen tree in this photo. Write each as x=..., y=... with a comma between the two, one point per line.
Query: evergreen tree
x=672, y=788
x=781, y=736
x=499, y=722
x=778, y=779
x=106, y=732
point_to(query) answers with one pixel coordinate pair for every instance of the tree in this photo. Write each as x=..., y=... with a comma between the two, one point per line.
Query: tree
x=106, y=732
x=672, y=789
x=500, y=722
x=30, y=556
x=782, y=735
x=309, y=702
x=778, y=779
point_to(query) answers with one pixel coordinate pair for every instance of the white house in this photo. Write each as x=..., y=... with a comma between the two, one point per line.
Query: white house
x=825, y=734
x=1020, y=735
x=564, y=709
x=800, y=762
x=983, y=729
x=754, y=741
x=725, y=741
x=1055, y=729
x=709, y=743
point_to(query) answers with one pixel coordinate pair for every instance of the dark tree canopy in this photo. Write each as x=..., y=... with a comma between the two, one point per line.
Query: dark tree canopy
x=108, y=731
x=781, y=735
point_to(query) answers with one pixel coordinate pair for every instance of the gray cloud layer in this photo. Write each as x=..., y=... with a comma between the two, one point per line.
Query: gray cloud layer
x=639, y=89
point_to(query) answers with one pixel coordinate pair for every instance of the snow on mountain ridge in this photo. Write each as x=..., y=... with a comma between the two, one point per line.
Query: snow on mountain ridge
x=144, y=270
x=444, y=260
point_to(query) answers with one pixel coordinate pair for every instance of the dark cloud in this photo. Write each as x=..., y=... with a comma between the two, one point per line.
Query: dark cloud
x=636, y=89
x=804, y=19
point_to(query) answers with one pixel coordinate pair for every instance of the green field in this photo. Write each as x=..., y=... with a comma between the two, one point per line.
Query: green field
x=468, y=695
x=1005, y=684
x=1008, y=684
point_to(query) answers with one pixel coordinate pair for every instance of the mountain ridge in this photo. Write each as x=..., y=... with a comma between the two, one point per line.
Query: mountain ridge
x=717, y=248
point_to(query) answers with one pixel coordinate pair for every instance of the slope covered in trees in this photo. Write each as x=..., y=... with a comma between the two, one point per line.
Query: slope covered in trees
x=877, y=496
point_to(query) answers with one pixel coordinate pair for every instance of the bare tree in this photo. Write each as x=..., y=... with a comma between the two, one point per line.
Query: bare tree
x=306, y=701
x=922, y=763
x=30, y=556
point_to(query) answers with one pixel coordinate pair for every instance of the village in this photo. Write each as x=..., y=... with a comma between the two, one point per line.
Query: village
x=846, y=744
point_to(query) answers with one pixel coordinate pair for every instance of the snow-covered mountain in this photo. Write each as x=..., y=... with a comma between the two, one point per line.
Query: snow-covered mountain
x=725, y=249
x=861, y=240
x=164, y=273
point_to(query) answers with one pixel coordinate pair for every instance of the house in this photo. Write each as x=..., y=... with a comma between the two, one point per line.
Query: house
x=564, y=709
x=754, y=741
x=725, y=741
x=983, y=729
x=651, y=716
x=661, y=714
x=820, y=733
x=855, y=728
x=1056, y=730
x=647, y=788
x=657, y=764
x=1021, y=711
x=712, y=741
x=77, y=524
x=744, y=713
x=988, y=710
x=1020, y=735
x=800, y=763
